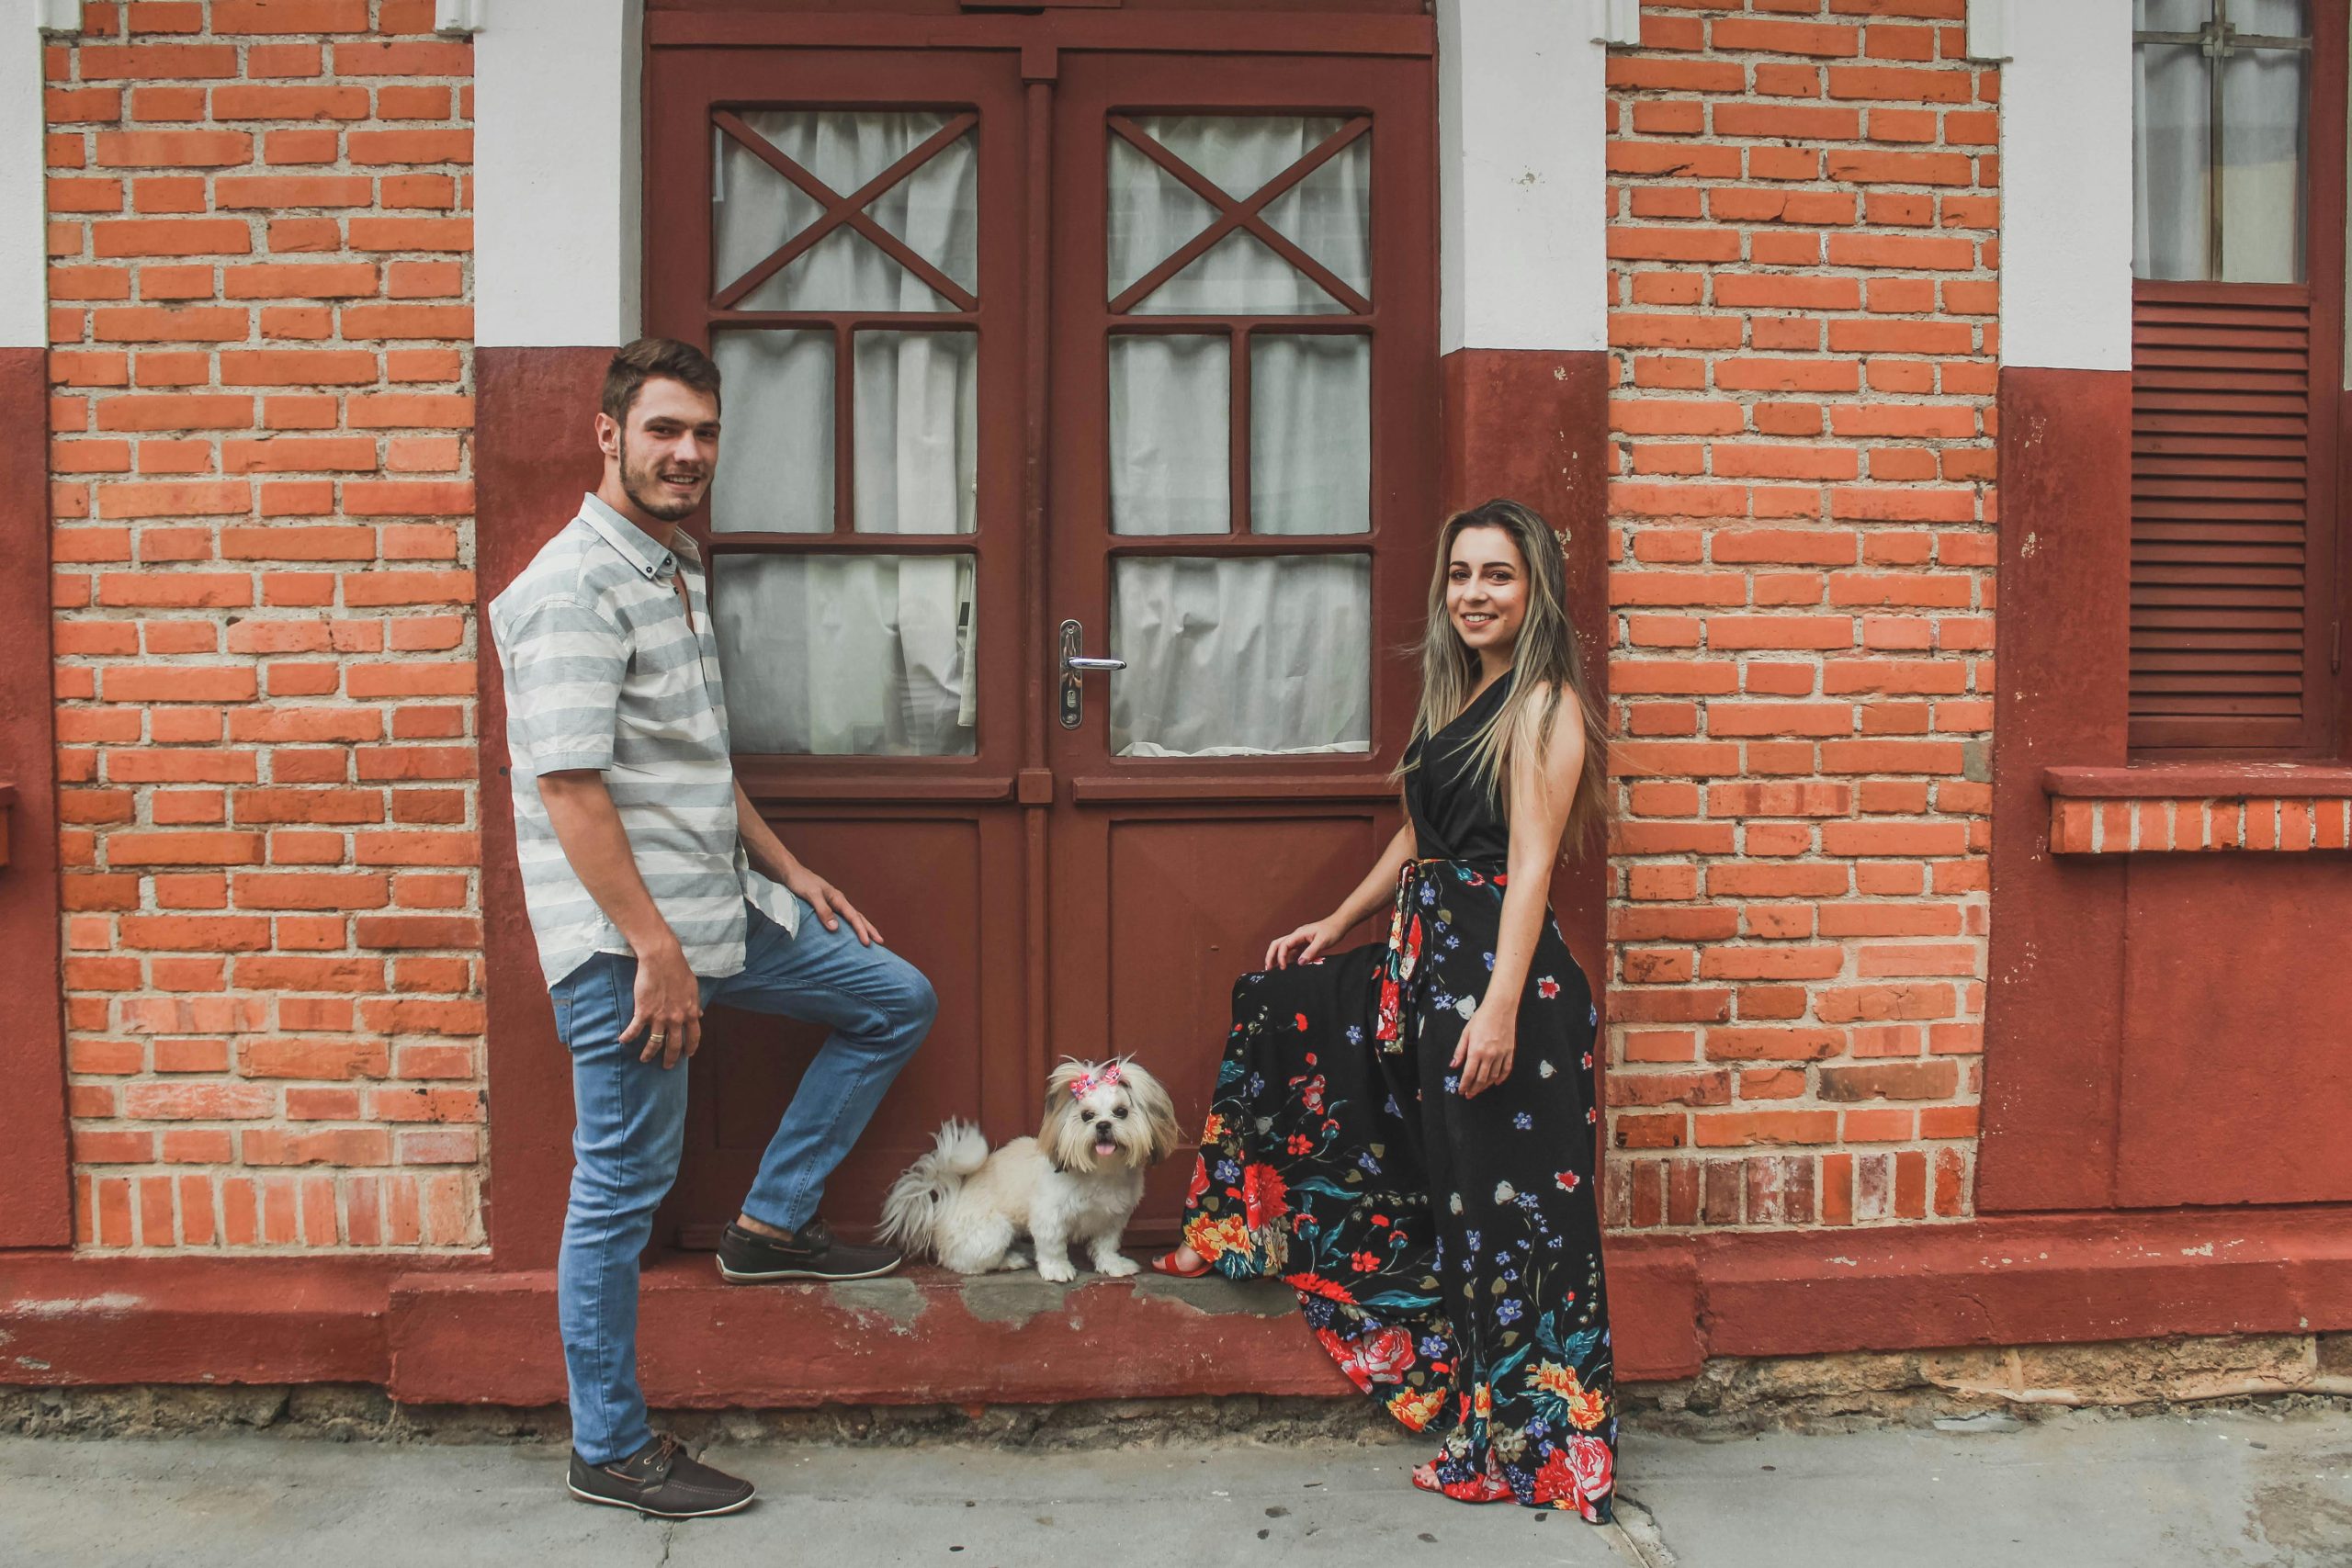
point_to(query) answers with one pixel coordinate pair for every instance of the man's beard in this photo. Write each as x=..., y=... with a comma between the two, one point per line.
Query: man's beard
x=640, y=486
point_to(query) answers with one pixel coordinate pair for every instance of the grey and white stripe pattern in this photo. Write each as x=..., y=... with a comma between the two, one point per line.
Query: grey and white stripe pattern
x=603, y=671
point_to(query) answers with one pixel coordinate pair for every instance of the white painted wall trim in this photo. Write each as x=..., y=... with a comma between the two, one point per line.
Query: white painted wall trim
x=558, y=169
x=460, y=15
x=24, y=198
x=2066, y=186
x=1619, y=22
x=1523, y=230
x=1988, y=30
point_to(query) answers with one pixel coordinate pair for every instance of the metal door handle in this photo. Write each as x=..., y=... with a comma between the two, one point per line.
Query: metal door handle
x=1074, y=664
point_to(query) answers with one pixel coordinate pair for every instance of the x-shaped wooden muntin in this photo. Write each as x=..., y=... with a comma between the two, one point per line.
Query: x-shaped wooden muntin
x=1245, y=215
x=849, y=210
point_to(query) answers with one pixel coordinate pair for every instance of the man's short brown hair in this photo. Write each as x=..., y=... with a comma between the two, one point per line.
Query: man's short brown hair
x=650, y=359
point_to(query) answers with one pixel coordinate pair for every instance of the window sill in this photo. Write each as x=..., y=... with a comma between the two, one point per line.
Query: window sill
x=2177, y=807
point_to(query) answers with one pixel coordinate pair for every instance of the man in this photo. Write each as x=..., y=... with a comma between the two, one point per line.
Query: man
x=655, y=890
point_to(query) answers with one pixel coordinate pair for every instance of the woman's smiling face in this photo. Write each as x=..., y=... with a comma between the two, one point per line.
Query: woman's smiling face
x=1486, y=591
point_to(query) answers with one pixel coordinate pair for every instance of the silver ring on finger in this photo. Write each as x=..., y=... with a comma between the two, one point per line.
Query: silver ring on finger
x=658, y=1037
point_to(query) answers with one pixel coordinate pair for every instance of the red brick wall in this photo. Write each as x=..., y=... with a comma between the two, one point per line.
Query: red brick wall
x=1803, y=234
x=262, y=538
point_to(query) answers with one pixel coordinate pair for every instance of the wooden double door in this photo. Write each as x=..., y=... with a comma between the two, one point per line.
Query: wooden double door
x=1035, y=359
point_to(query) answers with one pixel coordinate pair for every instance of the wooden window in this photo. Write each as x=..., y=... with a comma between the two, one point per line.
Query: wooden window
x=2236, y=597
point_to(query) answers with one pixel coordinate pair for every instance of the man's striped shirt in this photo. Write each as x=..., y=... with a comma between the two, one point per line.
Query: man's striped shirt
x=602, y=670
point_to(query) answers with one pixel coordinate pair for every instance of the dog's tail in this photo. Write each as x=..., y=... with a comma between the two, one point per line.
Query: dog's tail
x=911, y=1211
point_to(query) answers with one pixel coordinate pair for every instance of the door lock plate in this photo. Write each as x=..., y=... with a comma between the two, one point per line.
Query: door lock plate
x=1074, y=664
x=1073, y=694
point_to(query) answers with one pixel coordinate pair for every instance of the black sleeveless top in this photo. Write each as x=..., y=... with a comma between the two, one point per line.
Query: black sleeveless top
x=1455, y=816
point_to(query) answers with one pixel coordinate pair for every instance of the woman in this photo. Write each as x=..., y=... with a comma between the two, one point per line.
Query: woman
x=1405, y=1134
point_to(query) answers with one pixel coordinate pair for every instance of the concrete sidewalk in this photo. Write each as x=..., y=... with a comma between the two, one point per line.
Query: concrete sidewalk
x=2244, y=1488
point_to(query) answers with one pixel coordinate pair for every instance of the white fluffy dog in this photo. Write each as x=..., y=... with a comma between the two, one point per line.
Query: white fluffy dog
x=1072, y=1185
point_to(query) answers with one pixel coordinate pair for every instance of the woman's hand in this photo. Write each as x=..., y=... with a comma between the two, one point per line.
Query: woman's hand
x=1489, y=1041
x=1304, y=945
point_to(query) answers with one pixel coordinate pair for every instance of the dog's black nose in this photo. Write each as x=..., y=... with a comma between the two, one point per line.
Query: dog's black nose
x=1103, y=1128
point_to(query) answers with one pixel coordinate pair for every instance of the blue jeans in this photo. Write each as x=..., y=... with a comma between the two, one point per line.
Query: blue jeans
x=631, y=1124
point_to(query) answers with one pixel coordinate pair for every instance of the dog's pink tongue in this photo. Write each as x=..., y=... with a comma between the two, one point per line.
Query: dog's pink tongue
x=1105, y=1149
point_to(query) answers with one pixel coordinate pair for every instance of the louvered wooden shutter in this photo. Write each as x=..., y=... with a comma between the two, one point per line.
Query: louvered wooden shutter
x=2228, y=636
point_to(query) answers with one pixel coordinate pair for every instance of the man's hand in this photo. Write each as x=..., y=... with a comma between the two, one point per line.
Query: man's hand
x=669, y=1006
x=771, y=859
x=826, y=899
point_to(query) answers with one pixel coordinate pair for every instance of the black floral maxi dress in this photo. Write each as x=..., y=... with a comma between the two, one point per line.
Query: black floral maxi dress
x=1446, y=1251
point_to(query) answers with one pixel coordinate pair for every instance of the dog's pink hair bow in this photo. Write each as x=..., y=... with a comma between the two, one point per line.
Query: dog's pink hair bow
x=1087, y=1083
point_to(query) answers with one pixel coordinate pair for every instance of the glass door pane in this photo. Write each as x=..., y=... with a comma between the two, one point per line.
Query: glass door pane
x=766, y=160
x=1253, y=656
x=1175, y=177
x=1310, y=434
x=917, y=432
x=836, y=655
x=2266, y=112
x=1171, y=435
x=775, y=445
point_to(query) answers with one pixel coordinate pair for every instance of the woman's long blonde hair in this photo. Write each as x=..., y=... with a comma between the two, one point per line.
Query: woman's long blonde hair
x=1544, y=665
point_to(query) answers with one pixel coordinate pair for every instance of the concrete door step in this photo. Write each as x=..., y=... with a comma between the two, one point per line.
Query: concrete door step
x=923, y=1336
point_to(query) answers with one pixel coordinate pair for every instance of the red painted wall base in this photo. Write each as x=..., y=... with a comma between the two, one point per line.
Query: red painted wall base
x=34, y=1176
x=467, y=1333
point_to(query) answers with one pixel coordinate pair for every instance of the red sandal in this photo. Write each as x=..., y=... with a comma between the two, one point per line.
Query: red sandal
x=1166, y=1264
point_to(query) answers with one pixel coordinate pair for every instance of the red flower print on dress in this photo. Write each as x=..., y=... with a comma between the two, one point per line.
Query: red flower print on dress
x=1199, y=1180
x=1589, y=1462
x=1345, y=1354
x=1301, y=1020
x=1555, y=1482
x=1263, y=1196
x=1569, y=1180
x=1310, y=1093
x=1315, y=1285
x=1547, y=988
x=1386, y=1354
x=1391, y=1000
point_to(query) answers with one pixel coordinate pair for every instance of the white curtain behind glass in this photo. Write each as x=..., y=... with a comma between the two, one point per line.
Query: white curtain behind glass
x=1328, y=214
x=1171, y=434
x=1310, y=434
x=1240, y=656
x=2169, y=138
x=2265, y=108
x=847, y=654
